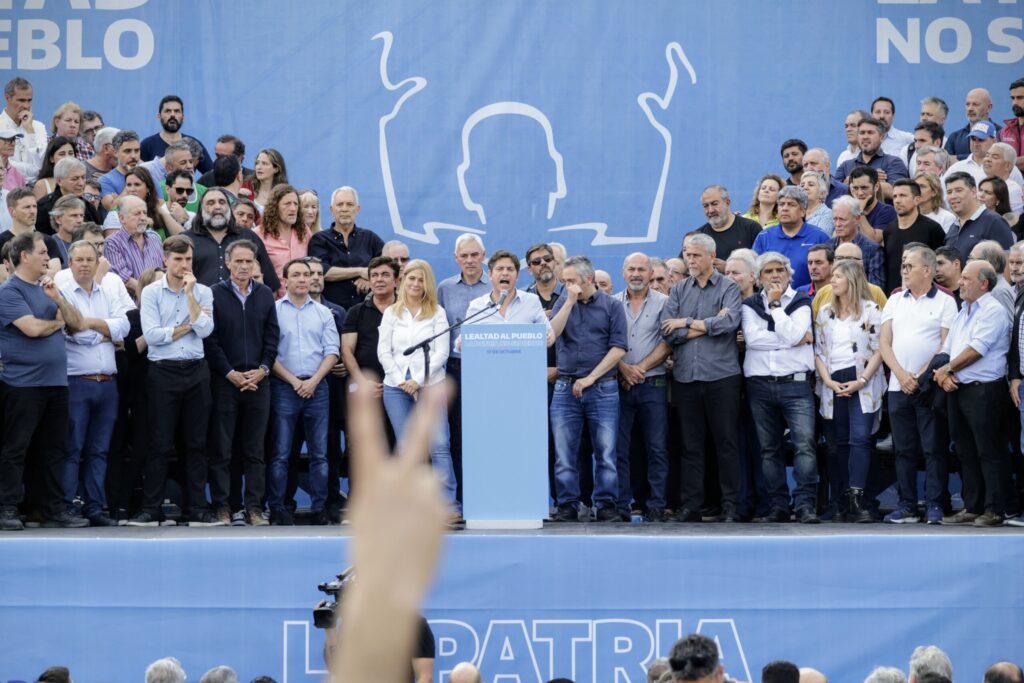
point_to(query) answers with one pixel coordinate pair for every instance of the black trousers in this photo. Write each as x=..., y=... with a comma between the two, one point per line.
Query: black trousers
x=975, y=415
x=35, y=417
x=454, y=371
x=238, y=417
x=717, y=405
x=178, y=390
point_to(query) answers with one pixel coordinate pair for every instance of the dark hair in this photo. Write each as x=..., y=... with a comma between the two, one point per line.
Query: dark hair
x=16, y=83
x=5, y=251
x=263, y=679
x=90, y=115
x=780, y=671
x=87, y=228
x=242, y=244
x=950, y=254
x=693, y=657
x=883, y=98
x=122, y=137
x=966, y=177
x=239, y=145
x=935, y=131
x=17, y=194
x=178, y=173
x=24, y=244
x=794, y=142
x=55, y=674
x=1002, y=193
x=378, y=261
x=915, y=189
x=151, y=194
x=46, y=170
x=500, y=254
x=862, y=171
x=225, y=169
x=871, y=120
x=542, y=246
x=830, y=254
x=1019, y=83
x=989, y=275
x=178, y=244
x=170, y=98
x=294, y=261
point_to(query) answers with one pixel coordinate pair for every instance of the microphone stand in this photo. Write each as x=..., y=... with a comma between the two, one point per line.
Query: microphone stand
x=490, y=309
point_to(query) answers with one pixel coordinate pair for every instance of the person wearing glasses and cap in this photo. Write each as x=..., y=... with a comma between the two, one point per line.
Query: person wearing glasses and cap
x=10, y=176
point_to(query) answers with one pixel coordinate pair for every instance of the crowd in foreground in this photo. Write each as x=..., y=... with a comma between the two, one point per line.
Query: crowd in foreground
x=165, y=331
x=692, y=658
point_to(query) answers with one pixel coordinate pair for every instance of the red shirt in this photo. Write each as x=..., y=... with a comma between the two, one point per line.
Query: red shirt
x=1013, y=135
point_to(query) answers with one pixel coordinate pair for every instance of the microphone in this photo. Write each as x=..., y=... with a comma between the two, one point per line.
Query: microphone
x=501, y=299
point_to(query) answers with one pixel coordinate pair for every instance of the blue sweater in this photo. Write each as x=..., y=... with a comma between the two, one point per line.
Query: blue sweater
x=243, y=337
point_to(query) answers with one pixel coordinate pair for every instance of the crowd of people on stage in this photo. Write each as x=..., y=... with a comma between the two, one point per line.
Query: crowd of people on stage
x=176, y=330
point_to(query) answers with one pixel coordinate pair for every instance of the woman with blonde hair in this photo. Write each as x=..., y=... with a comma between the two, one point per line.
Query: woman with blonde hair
x=270, y=172
x=309, y=210
x=931, y=200
x=848, y=356
x=282, y=231
x=764, y=204
x=414, y=317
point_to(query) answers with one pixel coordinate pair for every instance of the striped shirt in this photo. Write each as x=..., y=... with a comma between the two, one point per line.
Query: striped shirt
x=127, y=260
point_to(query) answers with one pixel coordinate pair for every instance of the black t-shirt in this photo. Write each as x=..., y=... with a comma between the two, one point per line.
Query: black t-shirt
x=329, y=246
x=924, y=230
x=740, y=235
x=52, y=248
x=425, y=648
x=364, y=319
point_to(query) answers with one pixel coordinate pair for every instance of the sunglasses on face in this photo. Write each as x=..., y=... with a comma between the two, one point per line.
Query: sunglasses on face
x=541, y=259
x=182, y=190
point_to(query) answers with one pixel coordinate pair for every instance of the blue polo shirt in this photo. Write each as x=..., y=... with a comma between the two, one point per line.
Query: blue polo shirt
x=893, y=166
x=795, y=247
x=835, y=189
x=594, y=327
x=30, y=361
x=982, y=225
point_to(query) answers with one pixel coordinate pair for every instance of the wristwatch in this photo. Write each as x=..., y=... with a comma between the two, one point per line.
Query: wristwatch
x=687, y=323
x=774, y=304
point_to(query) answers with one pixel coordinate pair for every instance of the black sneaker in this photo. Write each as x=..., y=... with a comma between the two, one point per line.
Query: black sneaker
x=65, y=520
x=687, y=515
x=9, y=520
x=776, y=516
x=102, y=520
x=566, y=513
x=144, y=519
x=807, y=515
x=654, y=515
x=318, y=518
x=206, y=518
x=281, y=517
x=608, y=514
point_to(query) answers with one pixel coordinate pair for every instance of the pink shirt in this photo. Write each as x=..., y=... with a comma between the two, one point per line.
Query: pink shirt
x=13, y=177
x=282, y=250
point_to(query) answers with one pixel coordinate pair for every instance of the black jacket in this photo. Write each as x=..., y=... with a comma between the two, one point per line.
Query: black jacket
x=243, y=337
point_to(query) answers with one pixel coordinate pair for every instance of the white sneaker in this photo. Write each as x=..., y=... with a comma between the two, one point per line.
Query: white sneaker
x=1015, y=521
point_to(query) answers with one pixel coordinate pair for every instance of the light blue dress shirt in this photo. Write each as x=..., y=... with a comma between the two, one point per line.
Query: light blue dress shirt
x=525, y=309
x=88, y=352
x=985, y=327
x=163, y=309
x=308, y=335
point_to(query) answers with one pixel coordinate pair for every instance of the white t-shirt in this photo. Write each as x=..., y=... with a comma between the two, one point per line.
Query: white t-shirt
x=917, y=326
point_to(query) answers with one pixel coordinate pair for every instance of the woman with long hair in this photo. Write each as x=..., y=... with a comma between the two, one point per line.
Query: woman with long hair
x=414, y=317
x=139, y=183
x=764, y=204
x=282, y=231
x=309, y=208
x=270, y=172
x=57, y=149
x=848, y=356
x=994, y=193
x=932, y=198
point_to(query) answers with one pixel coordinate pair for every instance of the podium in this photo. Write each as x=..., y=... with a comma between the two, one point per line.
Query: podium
x=504, y=426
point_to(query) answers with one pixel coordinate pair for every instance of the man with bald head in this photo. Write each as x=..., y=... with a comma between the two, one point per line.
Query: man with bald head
x=603, y=280
x=464, y=672
x=809, y=675
x=1004, y=672
x=399, y=251
x=729, y=231
x=643, y=386
x=978, y=107
x=974, y=379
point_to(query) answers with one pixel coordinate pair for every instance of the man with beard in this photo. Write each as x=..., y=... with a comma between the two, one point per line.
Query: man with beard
x=213, y=231
x=126, y=146
x=793, y=160
x=910, y=226
x=1013, y=129
x=171, y=114
x=889, y=168
x=729, y=231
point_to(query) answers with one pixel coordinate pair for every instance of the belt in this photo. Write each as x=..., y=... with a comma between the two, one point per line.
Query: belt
x=795, y=377
x=181, y=364
x=573, y=378
x=96, y=377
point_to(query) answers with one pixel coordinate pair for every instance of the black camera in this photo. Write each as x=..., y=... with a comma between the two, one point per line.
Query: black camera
x=325, y=614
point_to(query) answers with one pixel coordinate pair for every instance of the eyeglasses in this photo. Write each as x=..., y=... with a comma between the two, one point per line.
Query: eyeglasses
x=90, y=131
x=91, y=197
x=182, y=190
x=849, y=258
x=541, y=259
x=907, y=267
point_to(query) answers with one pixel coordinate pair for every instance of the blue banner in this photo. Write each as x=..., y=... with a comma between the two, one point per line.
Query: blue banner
x=591, y=123
x=594, y=608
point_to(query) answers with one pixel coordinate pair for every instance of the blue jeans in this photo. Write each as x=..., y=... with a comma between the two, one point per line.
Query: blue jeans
x=915, y=432
x=648, y=403
x=92, y=411
x=775, y=406
x=849, y=433
x=399, y=406
x=600, y=406
x=286, y=408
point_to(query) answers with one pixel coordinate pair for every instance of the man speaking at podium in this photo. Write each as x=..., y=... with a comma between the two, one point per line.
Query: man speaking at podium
x=511, y=306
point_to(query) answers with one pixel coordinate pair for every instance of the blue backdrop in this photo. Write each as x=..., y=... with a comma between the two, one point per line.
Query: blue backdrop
x=516, y=118
x=528, y=606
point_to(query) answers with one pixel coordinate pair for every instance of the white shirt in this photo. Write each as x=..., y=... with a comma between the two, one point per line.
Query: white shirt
x=112, y=286
x=28, y=149
x=943, y=217
x=397, y=333
x=896, y=141
x=846, y=155
x=779, y=352
x=1016, y=201
x=6, y=221
x=917, y=326
x=89, y=353
x=524, y=309
x=969, y=165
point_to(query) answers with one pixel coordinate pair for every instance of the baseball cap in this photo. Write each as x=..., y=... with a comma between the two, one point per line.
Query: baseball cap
x=982, y=130
x=10, y=134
